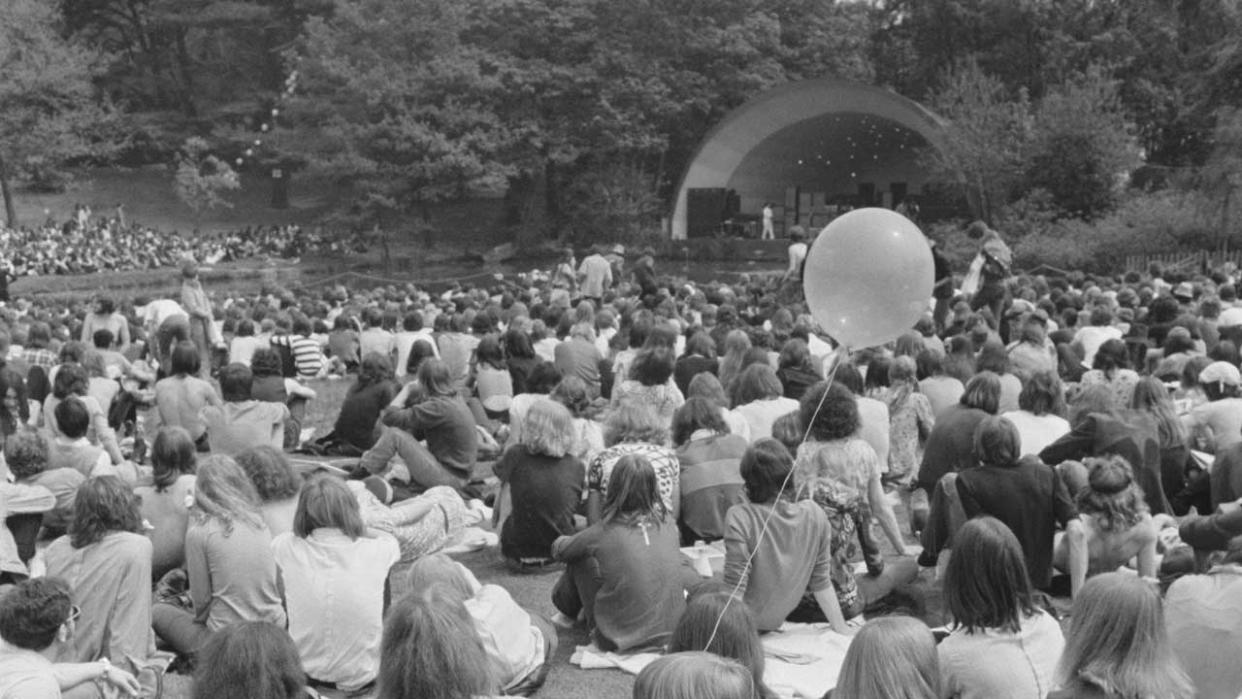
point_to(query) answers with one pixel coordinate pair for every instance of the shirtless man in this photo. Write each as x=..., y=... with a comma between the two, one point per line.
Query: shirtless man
x=1116, y=526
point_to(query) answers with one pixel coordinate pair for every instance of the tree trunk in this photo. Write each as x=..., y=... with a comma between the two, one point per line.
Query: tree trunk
x=10, y=209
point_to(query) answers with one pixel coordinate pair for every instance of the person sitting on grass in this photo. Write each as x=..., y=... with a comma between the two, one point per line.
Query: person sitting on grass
x=693, y=675
x=27, y=456
x=106, y=559
x=519, y=644
x=357, y=425
x=431, y=648
x=544, y=484
x=778, y=550
x=38, y=621
x=430, y=409
x=715, y=622
x=241, y=422
x=334, y=572
x=71, y=449
x=271, y=386
x=252, y=659
x=181, y=397
x=625, y=573
x=164, y=502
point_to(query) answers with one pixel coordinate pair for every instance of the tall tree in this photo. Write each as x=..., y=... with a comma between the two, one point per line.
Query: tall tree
x=985, y=138
x=49, y=111
x=392, y=101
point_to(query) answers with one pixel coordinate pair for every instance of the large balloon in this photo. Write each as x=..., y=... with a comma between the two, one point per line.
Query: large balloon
x=868, y=277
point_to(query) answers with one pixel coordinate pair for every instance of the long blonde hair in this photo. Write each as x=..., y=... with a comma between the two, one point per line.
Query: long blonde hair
x=223, y=492
x=1117, y=642
x=891, y=658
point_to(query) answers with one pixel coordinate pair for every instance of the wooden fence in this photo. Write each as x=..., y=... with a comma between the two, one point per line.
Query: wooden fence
x=1184, y=262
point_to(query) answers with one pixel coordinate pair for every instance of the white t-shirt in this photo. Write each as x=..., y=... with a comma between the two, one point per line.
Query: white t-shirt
x=334, y=591
x=1037, y=431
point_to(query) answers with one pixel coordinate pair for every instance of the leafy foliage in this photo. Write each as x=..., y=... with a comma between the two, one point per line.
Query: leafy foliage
x=201, y=179
x=49, y=112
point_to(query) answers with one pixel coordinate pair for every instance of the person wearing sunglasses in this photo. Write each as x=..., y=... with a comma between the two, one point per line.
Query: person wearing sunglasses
x=37, y=619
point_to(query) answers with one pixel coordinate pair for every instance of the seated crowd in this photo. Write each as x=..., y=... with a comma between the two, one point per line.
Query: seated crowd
x=83, y=245
x=1080, y=452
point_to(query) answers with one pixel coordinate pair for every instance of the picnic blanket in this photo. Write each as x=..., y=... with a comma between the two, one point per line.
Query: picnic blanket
x=802, y=661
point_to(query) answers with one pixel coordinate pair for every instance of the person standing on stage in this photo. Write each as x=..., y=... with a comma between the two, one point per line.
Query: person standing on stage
x=768, y=232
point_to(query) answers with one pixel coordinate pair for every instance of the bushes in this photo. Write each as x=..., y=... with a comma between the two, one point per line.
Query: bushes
x=1143, y=223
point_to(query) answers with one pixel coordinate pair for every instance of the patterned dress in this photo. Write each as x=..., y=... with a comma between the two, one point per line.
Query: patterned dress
x=836, y=475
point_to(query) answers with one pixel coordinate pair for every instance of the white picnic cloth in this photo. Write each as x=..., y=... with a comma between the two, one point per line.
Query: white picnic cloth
x=802, y=660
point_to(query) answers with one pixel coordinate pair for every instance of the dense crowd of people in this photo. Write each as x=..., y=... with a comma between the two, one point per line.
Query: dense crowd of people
x=84, y=244
x=1051, y=444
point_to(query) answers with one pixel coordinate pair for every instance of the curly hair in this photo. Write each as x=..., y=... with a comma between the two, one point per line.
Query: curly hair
x=653, y=366
x=571, y=392
x=26, y=454
x=836, y=418
x=634, y=422
x=71, y=380
x=1112, y=496
x=265, y=362
x=270, y=472
x=103, y=504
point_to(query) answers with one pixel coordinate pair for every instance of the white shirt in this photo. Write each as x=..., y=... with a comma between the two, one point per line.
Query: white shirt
x=514, y=645
x=334, y=591
x=1000, y=665
x=405, y=344
x=1091, y=337
x=160, y=310
x=1037, y=431
x=760, y=414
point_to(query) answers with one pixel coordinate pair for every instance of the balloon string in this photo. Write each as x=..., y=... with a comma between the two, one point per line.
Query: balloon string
x=843, y=354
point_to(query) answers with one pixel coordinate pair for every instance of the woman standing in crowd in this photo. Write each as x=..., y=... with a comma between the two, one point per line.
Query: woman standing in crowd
x=1117, y=647
x=1001, y=643
x=625, y=572
x=334, y=574
x=228, y=560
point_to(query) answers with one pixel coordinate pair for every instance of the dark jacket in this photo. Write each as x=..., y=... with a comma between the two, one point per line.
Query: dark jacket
x=1099, y=435
x=1029, y=498
x=950, y=446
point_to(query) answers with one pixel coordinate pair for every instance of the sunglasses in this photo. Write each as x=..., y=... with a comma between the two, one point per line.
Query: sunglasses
x=74, y=612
